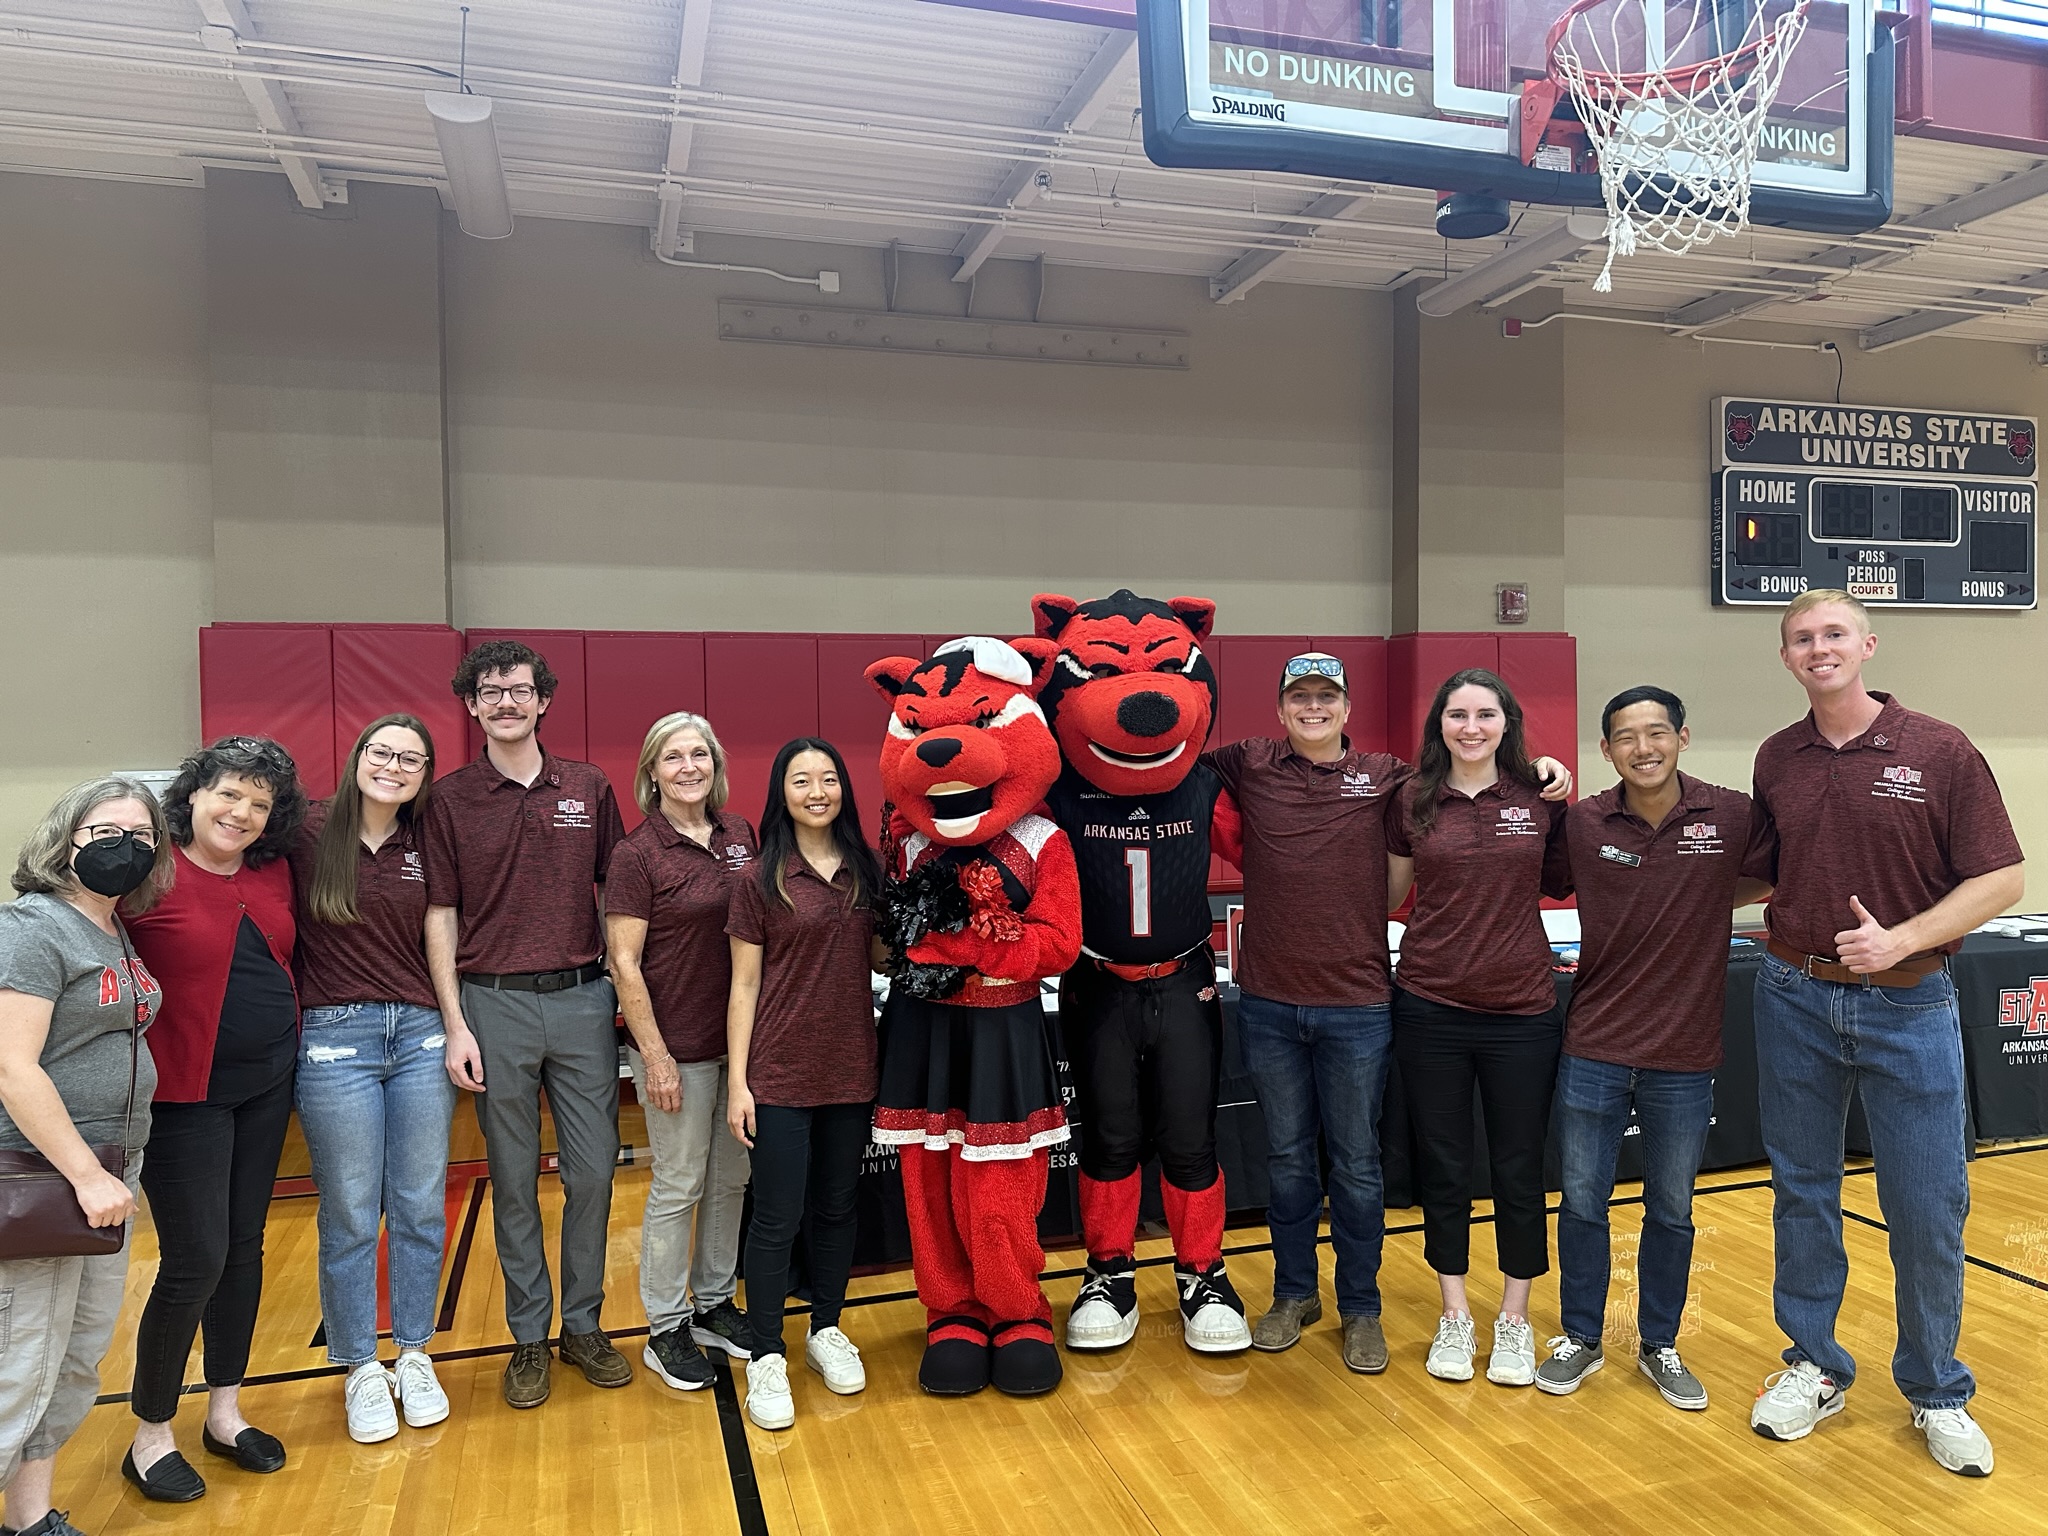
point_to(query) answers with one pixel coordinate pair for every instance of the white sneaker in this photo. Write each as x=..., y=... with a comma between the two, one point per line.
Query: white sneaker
x=372, y=1416
x=1450, y=1352
x=1954, y=1440
x=1513, y=1361
x=833, y=1356
x=768, y=1401
x=419, y=1389
x=1794, y=1400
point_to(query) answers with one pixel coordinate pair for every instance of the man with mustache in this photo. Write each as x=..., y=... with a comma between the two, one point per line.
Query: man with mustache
x=517, y=842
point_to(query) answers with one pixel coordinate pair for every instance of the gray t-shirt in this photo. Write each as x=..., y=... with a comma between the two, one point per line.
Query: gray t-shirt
x=50, y=949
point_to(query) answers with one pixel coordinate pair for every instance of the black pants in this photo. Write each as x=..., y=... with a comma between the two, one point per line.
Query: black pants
x=208, y=1173
x=1442, y=1052
x=1146, y=1057
x=806, y=1162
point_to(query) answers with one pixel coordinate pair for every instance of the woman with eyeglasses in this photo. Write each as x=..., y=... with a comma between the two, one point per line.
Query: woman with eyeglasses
x=1474, y=1002
x=374, y=1100
x=225, y=1040
x=73, y=1076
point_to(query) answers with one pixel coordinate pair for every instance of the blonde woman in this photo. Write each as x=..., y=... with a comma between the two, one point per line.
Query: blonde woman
x=665, y=913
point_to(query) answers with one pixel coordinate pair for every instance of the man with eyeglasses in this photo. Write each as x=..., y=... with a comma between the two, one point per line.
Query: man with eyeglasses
x=1313, y=1006
x=517, y=841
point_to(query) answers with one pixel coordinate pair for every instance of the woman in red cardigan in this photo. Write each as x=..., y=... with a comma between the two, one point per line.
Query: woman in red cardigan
x=225, y=1041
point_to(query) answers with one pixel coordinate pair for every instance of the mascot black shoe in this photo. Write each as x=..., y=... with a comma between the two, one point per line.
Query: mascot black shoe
x=1130, y=698
x=979, y=904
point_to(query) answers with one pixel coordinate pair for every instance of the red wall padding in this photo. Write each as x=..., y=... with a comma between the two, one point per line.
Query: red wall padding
x=759, y=691
x=274, y=680
x=563, y=731
x=382, y=669
x=630, y=681
x=852, y=715
x=1248, y=679
x=1543, y=671
x=1365, y=672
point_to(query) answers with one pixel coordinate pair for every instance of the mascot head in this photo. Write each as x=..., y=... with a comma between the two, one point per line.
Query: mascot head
x=968, y=751
x=1131, y=695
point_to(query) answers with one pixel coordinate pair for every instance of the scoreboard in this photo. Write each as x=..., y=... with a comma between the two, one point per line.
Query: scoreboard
x=1901, y=508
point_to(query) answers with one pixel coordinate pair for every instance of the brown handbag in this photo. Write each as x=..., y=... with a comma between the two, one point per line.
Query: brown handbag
x=40, y=1217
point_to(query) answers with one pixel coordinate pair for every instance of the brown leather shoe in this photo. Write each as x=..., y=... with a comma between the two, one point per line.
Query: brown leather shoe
x=527, y=1374
x=1365, y=1345
x=1281, y=1327
x=593, y=1355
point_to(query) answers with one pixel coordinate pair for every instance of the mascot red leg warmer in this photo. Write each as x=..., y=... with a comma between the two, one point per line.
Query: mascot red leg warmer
x=979, y=905
x=1130, y=698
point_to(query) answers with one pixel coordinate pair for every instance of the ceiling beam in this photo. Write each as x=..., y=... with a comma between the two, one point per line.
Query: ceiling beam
x=670, y=239
x=226, y=23
x=1925, y=322
x=1254, y=267
x=1511, y=269
x=1108, y=74
x=1943, y=218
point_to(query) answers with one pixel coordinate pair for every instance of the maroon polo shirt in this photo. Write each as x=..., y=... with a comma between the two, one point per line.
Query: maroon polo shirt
x=1654, y=918
x=382, y=958
x=1897, y=818
x=1475, y=937
x=814, y=1021
x=519, y=863
x=1315, y=871
x=680, y=889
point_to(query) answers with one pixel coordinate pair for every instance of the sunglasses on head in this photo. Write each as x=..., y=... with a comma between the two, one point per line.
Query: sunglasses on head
x=1326, y=666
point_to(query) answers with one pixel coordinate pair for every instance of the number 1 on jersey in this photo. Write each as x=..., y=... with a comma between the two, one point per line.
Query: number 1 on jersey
x=1139, y=862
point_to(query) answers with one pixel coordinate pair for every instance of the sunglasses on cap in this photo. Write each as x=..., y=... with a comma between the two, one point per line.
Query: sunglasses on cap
x=1302, y=666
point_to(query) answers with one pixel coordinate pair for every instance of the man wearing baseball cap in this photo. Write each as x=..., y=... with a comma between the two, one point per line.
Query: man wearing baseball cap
x=1313, y=991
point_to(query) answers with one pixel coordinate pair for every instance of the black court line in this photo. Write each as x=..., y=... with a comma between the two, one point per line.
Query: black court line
x=739, y=1456
x=1968, y=1258
x=460, y=1266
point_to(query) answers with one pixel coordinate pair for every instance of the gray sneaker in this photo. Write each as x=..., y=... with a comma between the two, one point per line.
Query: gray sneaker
x=1281, y=1327
x=1680, y=1387
x=1569, y=1364
x=1365, y=1345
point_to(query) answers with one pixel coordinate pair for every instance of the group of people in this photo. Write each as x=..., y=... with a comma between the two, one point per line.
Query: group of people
x=372, y=958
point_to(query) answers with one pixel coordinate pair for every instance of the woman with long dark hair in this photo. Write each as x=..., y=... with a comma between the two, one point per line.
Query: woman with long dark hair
x=1474, y=1001
x=225, y=1039
x=374, y=1100
x=800, y=1059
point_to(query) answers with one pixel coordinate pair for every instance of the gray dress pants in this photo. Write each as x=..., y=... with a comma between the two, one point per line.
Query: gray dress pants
x=563, y=1042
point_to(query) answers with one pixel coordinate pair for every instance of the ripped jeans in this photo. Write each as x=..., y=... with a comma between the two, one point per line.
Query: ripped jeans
x=375, y=1103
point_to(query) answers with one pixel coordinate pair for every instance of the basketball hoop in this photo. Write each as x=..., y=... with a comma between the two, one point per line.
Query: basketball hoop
x=1677, y=140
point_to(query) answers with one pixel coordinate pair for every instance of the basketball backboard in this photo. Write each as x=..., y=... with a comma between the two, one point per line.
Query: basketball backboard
x=1431, y=93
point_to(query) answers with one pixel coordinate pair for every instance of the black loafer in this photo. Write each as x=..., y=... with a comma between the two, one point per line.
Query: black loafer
x=170, y=1479
x=253, y=1450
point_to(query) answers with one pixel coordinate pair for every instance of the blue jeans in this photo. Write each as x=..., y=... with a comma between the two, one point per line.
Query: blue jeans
x=375, y=1104
x=1591, y=1114
x=1321, y=1069
x=1817, y=1042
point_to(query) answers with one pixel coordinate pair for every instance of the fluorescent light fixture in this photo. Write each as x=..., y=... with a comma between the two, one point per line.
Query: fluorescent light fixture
x=469, y=153
x=1506, y=269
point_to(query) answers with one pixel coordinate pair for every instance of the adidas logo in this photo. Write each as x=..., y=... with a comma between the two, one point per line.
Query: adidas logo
x=1138, y=814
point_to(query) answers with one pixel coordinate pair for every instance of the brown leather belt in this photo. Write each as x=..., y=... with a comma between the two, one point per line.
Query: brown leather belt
x=1908, y=972
x=1140, y=972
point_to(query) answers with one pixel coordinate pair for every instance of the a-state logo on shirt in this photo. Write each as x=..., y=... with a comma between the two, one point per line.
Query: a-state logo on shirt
x=410, y=867
x=573, y=814
x=1356, y=784
x=737, y=856
x=1898, y=782
x=1515, y=821
x=1699, y=837
x=144, y=984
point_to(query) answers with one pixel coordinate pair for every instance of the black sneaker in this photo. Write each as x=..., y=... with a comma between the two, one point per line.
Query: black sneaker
x=724, y=1327
x=676, y=1359
x=1211, y=1317
x=1105, y=1312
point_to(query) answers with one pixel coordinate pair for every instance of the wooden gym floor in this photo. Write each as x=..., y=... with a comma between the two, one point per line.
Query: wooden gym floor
x=1149, y=1439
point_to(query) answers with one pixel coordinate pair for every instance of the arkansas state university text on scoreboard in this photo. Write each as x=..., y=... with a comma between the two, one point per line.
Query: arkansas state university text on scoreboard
x=1904, y=508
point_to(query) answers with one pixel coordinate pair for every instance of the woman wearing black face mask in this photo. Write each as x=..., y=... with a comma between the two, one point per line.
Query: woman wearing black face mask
x=72, y=997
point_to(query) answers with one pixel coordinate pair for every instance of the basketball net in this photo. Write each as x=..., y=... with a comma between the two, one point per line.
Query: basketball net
x=1678, y=142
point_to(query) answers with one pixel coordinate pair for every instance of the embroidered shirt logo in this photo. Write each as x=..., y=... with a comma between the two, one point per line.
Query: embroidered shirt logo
x=1356, y=784
x=1699, y=837
x=1515, y=821
x=1898, y=782
x=410, y=867
x=736, y=855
